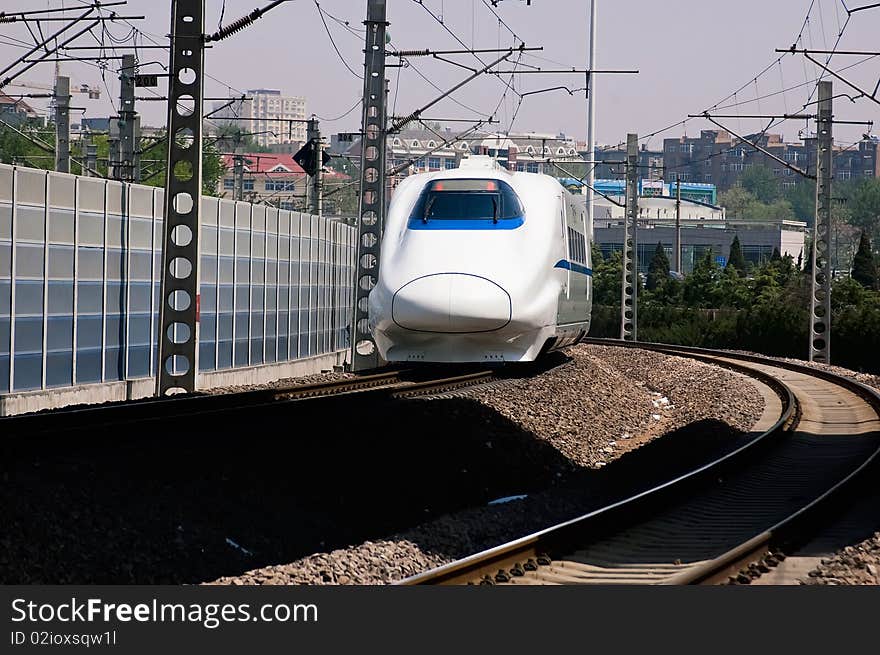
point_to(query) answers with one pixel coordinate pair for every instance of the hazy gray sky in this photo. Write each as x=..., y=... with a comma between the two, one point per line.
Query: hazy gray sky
x=691, y=54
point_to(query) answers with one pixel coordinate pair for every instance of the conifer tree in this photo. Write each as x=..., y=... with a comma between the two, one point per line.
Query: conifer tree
x=736, y=259
x=658, y=271
x=864, y=270
x=811, y=258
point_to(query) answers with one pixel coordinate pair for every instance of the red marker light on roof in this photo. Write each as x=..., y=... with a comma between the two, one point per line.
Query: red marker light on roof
x=457, y=184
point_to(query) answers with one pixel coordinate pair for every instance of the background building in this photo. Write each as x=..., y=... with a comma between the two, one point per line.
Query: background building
x=695, y=193
x=422, y=150
x=716, y=157
x=15, y=111
x=704, y=226
x=267, y=178
x=533, y=152
x=757, y=238
x=268, y=116
x=611, y=160
x=273, y=179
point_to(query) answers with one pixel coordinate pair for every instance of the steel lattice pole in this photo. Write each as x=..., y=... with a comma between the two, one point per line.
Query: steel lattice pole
x=364, y=354
x=630, y=262
x=179, y=319
x=820, y=296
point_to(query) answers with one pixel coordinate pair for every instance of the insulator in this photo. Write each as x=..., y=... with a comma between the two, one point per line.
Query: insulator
x=235, y=26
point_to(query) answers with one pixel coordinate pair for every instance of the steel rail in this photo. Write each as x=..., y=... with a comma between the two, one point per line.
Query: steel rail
x=79, y=416
x=397, y=383
x=516, y=558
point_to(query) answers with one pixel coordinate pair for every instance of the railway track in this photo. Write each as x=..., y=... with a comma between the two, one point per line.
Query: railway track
x=397, y=383
x=819, y=432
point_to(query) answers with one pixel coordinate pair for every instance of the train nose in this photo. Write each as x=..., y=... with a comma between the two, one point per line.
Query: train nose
x=451, y=302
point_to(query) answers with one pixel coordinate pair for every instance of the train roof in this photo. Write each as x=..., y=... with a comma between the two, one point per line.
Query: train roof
x=484, y=166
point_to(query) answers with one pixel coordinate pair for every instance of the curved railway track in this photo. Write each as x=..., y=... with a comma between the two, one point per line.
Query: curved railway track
x=819, y=432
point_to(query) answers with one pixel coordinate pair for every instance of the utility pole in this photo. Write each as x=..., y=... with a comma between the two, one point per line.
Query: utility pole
x=129, y=137
x=591, y=115
x=238, y=176
x=629, y=289
x=179, y=317
x=62, y=124
x=678, y=223
x=372, y=190
x=114, y=155
x=91, y=158
x=820, y=296
x=820, y=292
x=315, y=191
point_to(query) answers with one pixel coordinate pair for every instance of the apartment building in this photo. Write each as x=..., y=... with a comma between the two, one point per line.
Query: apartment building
x=717, y=157
x=269, y=117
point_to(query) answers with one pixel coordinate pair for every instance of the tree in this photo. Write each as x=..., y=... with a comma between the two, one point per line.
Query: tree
x=658, y=270
x=21, y=149
x=234, y=138
x=154, y=175
x=761, y=183
x=341, y=198
x=811, y=259
x=778, y=210
x=802, y=199
x=606, y=278
x=864, y=270
x=737, y=201
x=742, y=204
x=847, y=292
x=732, y=290
x=735, y=260
x=865, y=205
x=700, y=285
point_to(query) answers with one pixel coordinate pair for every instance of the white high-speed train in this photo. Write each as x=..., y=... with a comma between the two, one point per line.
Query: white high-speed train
x=481, y=265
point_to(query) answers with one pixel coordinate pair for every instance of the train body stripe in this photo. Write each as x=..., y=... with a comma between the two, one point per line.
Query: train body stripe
x=465, y=224
x=573, y=267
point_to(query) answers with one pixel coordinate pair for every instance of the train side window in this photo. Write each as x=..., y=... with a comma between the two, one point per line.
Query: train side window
x=577, y=246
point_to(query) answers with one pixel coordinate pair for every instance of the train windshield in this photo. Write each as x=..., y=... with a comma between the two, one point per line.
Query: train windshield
x=489, y=201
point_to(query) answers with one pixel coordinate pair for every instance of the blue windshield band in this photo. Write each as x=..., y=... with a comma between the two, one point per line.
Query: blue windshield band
x=573, y=267
x=467, y=204
x=465, y=224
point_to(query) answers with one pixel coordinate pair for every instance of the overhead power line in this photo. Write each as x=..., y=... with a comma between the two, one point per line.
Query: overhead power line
x=870, y=95
x=333, y=43
x=400, y=123
x=852, y=11
x=12, y=16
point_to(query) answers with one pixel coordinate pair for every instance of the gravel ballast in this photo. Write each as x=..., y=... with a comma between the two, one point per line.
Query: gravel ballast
x=858, y=564
x=284, y=383
x=602, y=405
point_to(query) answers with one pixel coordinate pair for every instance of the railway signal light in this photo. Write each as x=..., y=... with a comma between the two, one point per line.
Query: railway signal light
x=307, y=157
